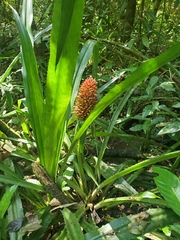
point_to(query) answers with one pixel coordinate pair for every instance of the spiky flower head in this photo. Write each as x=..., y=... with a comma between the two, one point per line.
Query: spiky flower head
x=86, y=98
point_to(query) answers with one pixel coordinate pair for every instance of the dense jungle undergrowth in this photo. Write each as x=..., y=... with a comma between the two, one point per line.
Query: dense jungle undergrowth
x=90, y=119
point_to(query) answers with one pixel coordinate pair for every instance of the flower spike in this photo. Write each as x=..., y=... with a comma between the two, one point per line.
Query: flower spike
x=86, y=98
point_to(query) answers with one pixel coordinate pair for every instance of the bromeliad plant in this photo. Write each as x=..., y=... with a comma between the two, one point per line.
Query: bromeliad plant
x=49, y=112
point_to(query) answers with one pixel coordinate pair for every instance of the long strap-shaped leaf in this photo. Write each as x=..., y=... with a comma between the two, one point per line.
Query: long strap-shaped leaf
x=32, y=85
x=67, y=19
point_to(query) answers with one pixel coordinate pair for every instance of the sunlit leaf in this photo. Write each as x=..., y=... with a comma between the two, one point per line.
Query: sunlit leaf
x=64, y=44
x=170, y=128
x=6, y=199
x=176, y=105
x=72, y=225
x=145, y=41
x=169, y=186
x=137, y=127
x=168, y=86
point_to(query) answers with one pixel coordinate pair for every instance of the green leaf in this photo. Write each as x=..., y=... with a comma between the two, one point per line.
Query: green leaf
x=169, y=186
x=20, y=182
x=67, y=18
x=6, y=199
x=168, y=86
x=153, y=81
x=72, y=225
x=32, y=85
x=146, y=125
x=137, y=127
x=145, y=41
x=170, y=128
x=148, y=110
x=176, y=105
x=8, y=70
x=15, y=210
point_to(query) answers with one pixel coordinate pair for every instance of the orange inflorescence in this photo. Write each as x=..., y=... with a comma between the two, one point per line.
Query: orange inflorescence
x=86, y=98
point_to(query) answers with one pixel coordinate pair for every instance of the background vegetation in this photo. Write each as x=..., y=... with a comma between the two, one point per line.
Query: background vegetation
x=116, y=174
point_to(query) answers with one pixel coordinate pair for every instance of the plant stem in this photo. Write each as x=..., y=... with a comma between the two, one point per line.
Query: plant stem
x=80, y=155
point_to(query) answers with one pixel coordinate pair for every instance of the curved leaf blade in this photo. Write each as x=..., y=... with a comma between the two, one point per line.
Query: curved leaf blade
x=169, y=186
x=6, y=199
x=72, y=225
x=32, y=85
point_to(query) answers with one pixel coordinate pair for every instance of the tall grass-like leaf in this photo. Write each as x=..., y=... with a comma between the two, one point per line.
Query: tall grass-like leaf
x=8, y=70
x=6, y=199
x=32, y=86
x=72, y=225
x=67, y=19
x=111, y=126
x=27, y=15
x=15, y=210
x=169, y=186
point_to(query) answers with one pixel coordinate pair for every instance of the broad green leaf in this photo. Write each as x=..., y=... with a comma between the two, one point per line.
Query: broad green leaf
x=15, y=209
x=151, y=85
x=170, y=128
x=153, y=81
x=176, y=105
x=168, y=86
x=65, y=35
x=148, y=110
x=145, y=41
x=6, y=199
x=137, y=127
x=157, y=120
x=72, y=225
x=146, y=125
x=169, y=186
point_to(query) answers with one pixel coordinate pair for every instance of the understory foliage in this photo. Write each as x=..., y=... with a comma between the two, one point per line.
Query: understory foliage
x=89, y=120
